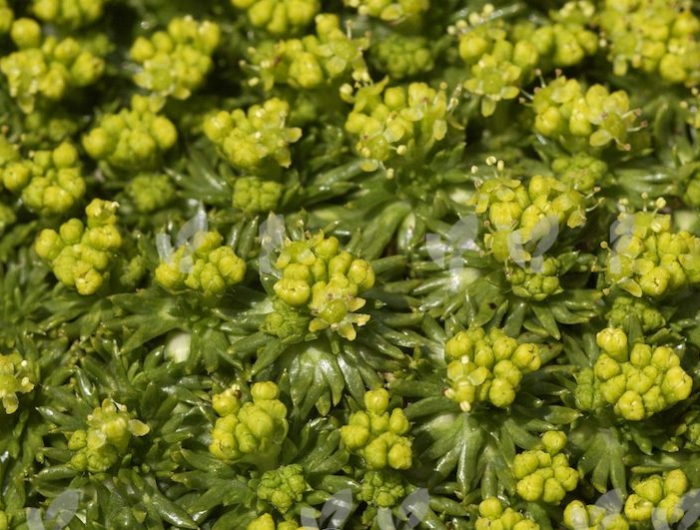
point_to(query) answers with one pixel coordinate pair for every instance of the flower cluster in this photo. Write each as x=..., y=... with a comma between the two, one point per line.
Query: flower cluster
x=626, y=307
x=175, y=62
x=578, y=516
x=110, y=429
x=521, y=217
x=492, y=514
x=538, y=283
x=150, y=191
x=203, y=264
x=378, y=436
x=638, y=380
x=581, y=171
x=487, y=367
x=279, y=17
x=648, y=258
x=565, y=40
x=331, y=55
x=390, y=10
x=655, y=36
x=382, y=489
x=133, y=139
x=80, y=256
x=257, y=140
x=582, y=118
x=658, y=497
x=7, y=17
x=47, y=126
x=502, y=58
x=250, y=431
x=402, y=56
x=283, y=487
x=72, y=14
x=397, y=125
x=17, y=376
x=266, y=522
x=46, y=69
x=321, y=280
x=497, y=66
x=545, y=474
x=254, y=195
x=50, y=182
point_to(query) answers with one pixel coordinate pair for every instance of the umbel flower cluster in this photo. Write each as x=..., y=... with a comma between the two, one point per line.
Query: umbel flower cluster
x=44, y=69
x=377, y=435
x=253, y=430
x=49, y=182
x=80, y=254
x=323, y=283
x=110, y=428
x=636, y=379
x=487, y=367
x=350, y=264
x=175, y=62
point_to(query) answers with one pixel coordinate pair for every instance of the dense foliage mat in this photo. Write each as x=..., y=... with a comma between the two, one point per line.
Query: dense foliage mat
x=269, y=264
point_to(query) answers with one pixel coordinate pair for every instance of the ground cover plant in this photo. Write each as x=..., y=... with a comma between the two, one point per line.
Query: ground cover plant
x=380, y=264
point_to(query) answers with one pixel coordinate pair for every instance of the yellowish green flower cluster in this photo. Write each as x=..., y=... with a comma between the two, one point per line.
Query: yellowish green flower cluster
x=254, y=195
x=133, y=139
x=390, y=10
x=331, y=55
x=536, y=284
x=110, y=429
x=205, y=264
x=501, y=58
x=397, y=125
x=7, y=17
x=266, y=522
x=378, y=436
x=521, y=216
x=283, y=487
x=72, y=14
x=579, y=516
x=175, y=62
x=257, y=140
x=279, y=17
x=581, y=171
x=545, y=474
x=566, y=40
x=150, y=191
x=487, y=367
x=46, y=127
x=402, y=56
x=657, y=497
x=49, y=182
x=658, y=37
x=497, y=67
x=17, y=376
x=649, y=317
x=582, y=118
x=45, y=69
x=79, y=255
x=382, y=489
x=648, y=258
x=250, y=431
x=493, y=516
x=639, y=380
x=325, y=282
